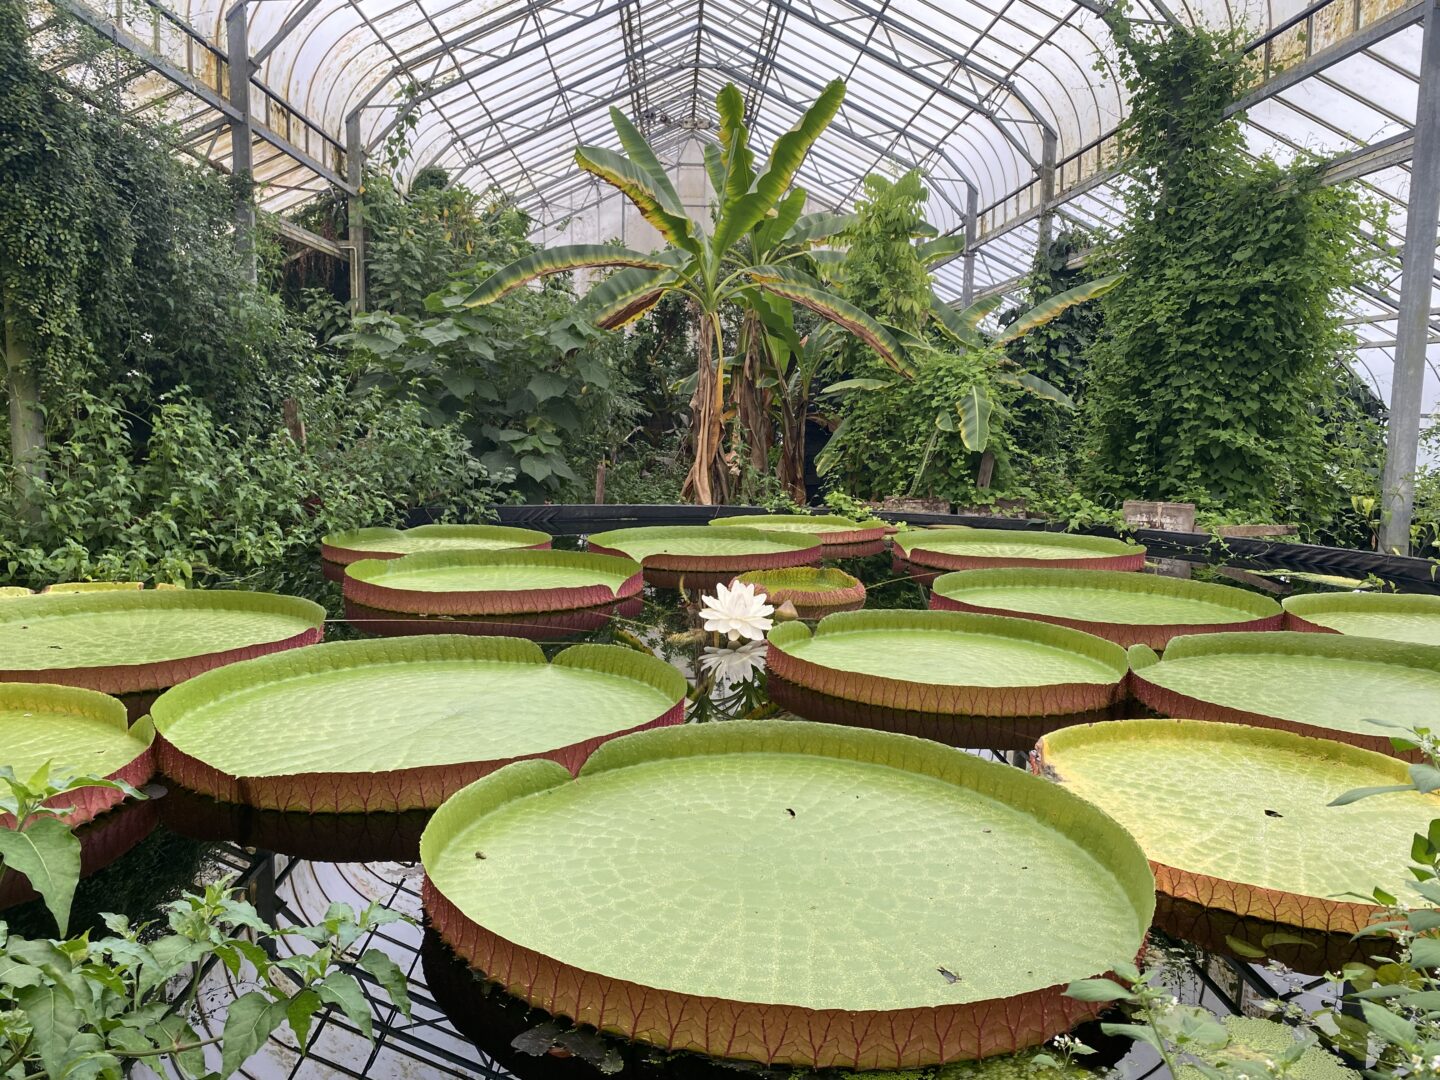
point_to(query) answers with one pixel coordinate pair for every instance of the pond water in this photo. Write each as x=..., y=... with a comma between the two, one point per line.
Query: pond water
x=294, y=866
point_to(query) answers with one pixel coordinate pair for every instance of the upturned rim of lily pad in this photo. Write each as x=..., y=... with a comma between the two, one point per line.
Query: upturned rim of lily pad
x=382, y=787
x=832, y=530
x=1309, y=612
x=945, y=549
x=382, y=583
x=788, y=644
x=794, y=1025
x=308, y=620
x=813, y=590
x=385, y=542
x=1251, y=611
x=767, y=551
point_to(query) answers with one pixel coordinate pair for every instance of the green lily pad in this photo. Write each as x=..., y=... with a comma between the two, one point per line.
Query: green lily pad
x=491, y=582
x=1253, y=1041
x=77, y=733
x=386, y=543
x=1356, y=690
x=811, y=589
x=1238, y=817
x=129, y=641
x=93, y=586
x=1127, y=608
x=831, y=529
x=951, y=662
x=982, y=549
x=698, y=547
x=400, y=723
x=714, y=888
x=1393, y=616
x=9, y=592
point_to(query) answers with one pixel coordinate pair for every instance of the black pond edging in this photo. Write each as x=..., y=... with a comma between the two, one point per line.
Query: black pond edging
x=1406, y=574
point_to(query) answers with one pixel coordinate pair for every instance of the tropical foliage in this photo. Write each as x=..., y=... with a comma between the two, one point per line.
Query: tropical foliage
x=752, y=256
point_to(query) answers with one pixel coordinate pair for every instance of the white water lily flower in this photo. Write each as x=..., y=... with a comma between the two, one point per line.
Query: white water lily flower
x=737, y=610
x=734, y=665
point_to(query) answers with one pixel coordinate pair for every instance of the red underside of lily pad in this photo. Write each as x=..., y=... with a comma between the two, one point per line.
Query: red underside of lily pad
x=923, y=559
x=734, y=564
x=141, y=678
x=1053, y=700
x=341, y=557
x=1168, y=702
x=102, y=841
x=537, y=626
x=422, y=788
x=772, y=1034
x=1295, y=622
x=1156, y=635
x=487, y=602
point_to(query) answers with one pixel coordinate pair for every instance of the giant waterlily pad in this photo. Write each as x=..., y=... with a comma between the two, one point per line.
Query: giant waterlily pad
x=1255, y=1044
x=950, y=662
x=1324, y=685
x=131, y=642
x=988, y=549
x=78, y=733
x=812, y=590
x=842, y=538
x=491, y=582
x=387, y=543
x=1238, y=817
x=401, y=723
x=10, y=592
x=536, y=625
x=696, y=547
x=1127, y=608
x=1393, y=616
x=789, y=892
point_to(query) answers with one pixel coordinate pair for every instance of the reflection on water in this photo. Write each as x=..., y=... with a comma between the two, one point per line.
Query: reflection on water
x=295, y=865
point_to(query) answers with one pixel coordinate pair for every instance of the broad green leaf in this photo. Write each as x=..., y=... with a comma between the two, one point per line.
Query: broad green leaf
x=1097, y=990
x=962, y=325
x=558, y=260
x=248, y=1023
x=838, y=311
x=389, y=975
x=1393, y=1029
x=933, y=251
x=641, y=153
x=547, y=385
x=1425, y=952
x=1056, y=306
x=1139, y=1032
x=55, y=1021
x=631, y=181
x=623, y=297
x=48, y=854
x=974, y=409
x=826, y=459
x=818, y=226
x=1356, y=794
x=1425, y=777
x=714, y=166
x=739, y=215
x=1244, y=948
x=300, y=1012
x=734, y=137
x=857, y=384
x=339, y=988
x=1037, y=386
x=773, y=231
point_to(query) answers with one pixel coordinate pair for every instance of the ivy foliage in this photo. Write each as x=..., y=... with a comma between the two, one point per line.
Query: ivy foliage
x=1221, y=352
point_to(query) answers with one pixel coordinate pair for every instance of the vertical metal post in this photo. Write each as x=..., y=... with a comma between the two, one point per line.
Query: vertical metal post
x=972, y=231
x=1049, y=151
x=1417, y=274
x=355, y=209
x=242, y=159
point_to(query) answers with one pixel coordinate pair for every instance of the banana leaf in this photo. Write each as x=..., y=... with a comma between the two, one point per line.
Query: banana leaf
x=1056, y=306
x=831, y=307
x=974, y=410
x=558, y=260
x=634, y=183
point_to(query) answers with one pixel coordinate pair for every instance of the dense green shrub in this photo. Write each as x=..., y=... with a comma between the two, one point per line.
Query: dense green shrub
x=1215, y=376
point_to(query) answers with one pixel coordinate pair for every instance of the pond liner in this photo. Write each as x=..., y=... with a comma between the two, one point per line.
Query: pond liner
x=308, y=620
x=340, y=549
x=977, y=549
x=385, y=584
x=1392, y=616
x=1251, y=611
x=332, y=838
x=389, y=790
x=789, y=641
x=769, y=551
x=1326, y=914
x=132, y=756
x=1172, y=703
x=767, y=1032
x=102, y=840
x=1012, y=733
x=536, y=626
x=813, y=591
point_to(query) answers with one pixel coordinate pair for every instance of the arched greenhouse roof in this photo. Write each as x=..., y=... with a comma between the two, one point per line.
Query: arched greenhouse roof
x=1008, y=106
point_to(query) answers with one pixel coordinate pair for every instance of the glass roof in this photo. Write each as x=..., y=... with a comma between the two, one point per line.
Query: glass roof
x=499, y=92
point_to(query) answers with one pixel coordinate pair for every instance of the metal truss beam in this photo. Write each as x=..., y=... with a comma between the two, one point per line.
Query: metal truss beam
x=297, y=16
x=301, y=235
x=632, y=32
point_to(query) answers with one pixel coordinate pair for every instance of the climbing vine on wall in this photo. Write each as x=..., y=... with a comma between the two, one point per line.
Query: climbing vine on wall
x=1222, y=350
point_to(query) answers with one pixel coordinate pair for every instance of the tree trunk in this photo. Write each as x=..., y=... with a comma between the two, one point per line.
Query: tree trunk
x=27, y=418
x=792, y=447
x=752, y=405
x=708, y=481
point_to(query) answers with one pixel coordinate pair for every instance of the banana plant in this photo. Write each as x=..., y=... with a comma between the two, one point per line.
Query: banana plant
x=973, y=411
x=751, y=249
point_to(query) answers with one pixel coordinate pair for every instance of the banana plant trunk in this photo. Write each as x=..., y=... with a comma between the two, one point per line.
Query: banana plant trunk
x=792, y=446
x=708, y=481
x=27, y=417
x=752, y=404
